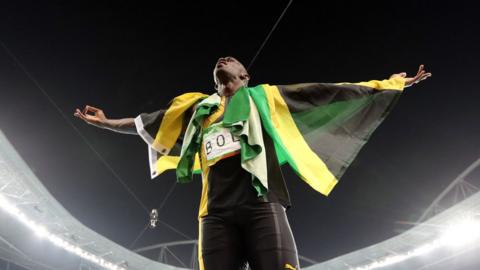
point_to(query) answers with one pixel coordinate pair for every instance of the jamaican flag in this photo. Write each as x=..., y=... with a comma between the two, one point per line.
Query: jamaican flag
x=317, y=128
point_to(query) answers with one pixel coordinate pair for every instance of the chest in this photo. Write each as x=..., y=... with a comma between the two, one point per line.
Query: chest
x=218, y=142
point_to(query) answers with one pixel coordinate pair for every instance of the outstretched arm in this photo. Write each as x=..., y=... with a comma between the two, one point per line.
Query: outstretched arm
x=323, y=126
x=305, y=96
x=98, y=119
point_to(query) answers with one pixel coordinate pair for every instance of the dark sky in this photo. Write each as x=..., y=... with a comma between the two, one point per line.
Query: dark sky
x=133, y=58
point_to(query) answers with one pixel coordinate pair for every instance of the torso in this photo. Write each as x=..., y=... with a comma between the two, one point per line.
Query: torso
x=225, y=184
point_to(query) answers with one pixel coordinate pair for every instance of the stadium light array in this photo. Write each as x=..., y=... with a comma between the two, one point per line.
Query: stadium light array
x=460, y=232
x=42, y=232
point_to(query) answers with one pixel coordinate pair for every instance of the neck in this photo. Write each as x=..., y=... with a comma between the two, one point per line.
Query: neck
x=229, y=87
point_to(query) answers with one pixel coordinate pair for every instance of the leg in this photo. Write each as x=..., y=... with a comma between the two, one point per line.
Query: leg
x=269, y=239
x=219, y=245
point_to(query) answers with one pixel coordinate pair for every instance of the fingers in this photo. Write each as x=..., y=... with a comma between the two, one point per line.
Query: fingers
x=420, y=71
x=80, y=114
x=426, y=75
x=422, y=74
x=84, y=114
x=92, y=109
x=420, y=68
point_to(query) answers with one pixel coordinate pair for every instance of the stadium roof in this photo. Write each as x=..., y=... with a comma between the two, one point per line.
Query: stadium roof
x=62, y=242
x=32, y=210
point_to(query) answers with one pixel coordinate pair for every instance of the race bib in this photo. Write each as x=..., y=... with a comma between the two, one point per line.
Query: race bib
x=219, y=142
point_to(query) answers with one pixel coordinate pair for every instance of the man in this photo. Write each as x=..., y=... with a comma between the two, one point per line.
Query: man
x=239, y=137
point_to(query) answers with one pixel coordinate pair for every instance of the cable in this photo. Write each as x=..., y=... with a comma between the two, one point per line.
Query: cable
x=268, y=36
x=117, y=177
x=35, y=82
x=138, y=237
x=175, y=230
x=22, y=67
x=249, y=66
x=166, y=196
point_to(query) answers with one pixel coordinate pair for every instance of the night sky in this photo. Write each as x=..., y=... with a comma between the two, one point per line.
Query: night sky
x=132, y=58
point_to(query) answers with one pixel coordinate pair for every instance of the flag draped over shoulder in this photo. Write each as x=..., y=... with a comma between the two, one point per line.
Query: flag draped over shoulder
x=317, y=128
x=162, y=131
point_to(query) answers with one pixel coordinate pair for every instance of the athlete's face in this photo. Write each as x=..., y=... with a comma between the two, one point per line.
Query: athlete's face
x=227, y=67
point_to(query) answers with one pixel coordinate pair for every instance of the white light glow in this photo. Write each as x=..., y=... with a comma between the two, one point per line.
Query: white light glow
x=400, y=257
x=43, y=232
x=465, y=230
x=462, y=232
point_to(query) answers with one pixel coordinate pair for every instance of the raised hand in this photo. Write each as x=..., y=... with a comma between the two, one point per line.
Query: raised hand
x=409, y=81
x=97, y=118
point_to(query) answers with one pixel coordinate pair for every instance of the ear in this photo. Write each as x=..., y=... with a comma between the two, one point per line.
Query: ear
x=244, y=77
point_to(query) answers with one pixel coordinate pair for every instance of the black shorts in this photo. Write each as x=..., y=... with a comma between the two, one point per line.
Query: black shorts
x=255, y=233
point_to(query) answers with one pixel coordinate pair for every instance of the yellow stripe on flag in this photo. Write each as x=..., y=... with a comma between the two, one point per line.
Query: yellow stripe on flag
x=396, y=83
x=171, y=125
x=308, y=165
x=171, y=162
